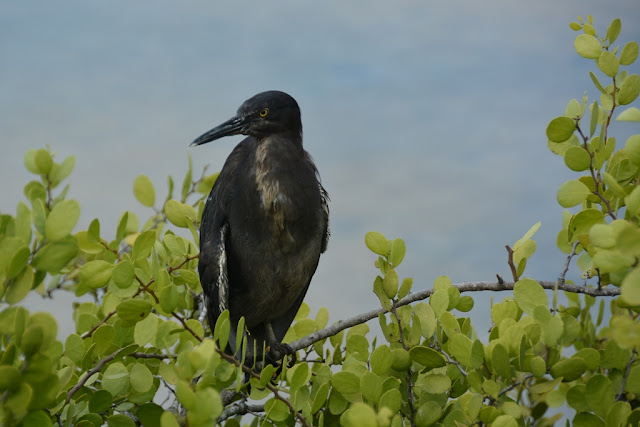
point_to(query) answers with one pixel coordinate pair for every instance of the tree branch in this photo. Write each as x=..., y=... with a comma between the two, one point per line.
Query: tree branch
x=240, y=408
x=462, y=287
x=89, y=373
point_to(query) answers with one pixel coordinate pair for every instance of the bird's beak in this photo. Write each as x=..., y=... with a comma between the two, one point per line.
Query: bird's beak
x=233, y=126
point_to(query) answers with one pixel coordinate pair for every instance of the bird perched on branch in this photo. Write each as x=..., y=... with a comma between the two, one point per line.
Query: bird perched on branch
x=264, y=225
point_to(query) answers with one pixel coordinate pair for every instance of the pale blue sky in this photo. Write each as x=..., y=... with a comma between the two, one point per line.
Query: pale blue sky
x=426, y=119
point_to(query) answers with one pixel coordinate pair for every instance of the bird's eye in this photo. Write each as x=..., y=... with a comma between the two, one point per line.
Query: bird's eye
x=264, y=112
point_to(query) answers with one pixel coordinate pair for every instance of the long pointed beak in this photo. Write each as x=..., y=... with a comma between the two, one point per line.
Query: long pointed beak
x=233, y=126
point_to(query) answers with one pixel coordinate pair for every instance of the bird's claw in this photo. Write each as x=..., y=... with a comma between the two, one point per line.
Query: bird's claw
x=277, y=351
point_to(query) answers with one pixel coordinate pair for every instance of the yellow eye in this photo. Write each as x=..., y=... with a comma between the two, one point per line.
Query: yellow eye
x=264, y=112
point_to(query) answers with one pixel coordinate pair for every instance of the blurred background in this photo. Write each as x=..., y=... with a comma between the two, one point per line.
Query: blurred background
x=426, y=119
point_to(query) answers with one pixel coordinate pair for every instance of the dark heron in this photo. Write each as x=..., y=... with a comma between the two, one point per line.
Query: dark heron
x=264, y=225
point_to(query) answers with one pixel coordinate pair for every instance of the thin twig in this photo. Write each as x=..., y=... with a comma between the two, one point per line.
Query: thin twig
x=462, y=287
x=453, y=362
x=89, y=373
x=563, y=273
x=514, y=385
x=514, y=270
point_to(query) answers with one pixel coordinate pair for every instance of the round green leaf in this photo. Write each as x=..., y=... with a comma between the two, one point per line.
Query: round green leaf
x=43, y=161
x=608, y=63
x=276, y=410
x=298, y=375
x=538, y=366
x=359, y=415
x=390, y=283
x=629, y=53
x=569, y=369
x=100, y=401
x=629, y=90
x=427, y=357
x=180, y=214
x=428, y=414
x=439, y=301
x=115, y=379
x=36, y=419
x=504, y=421
x=600, y=394
x=133, y=310
x=582, y=222
x=19, y=287
x=465, y=304
x=587, y=46
x=434, y=383
x=144, y=191
x=95, y=274
x=143, y=244
x=560, y=129
x=400, y=359
x=398, y=250
x=74, y=347
x=577, y=159
x=141, y=377
x=145, y=330
x=571, y=193
x=345, y=382
x=391, y=399
x=381, y=360
x=371, y=386
x=123, y=274
x=61, y=220
x=31, y=340
x=528, y=294
x=120, y=420
x=630, y=288
x=18, y=262
x=500, y=361
x=376, y=243
x=631, y=114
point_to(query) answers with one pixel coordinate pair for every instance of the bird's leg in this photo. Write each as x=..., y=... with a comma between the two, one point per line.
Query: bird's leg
x=278, y=350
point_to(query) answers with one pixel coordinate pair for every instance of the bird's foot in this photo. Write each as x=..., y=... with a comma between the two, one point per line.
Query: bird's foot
x=277, y=351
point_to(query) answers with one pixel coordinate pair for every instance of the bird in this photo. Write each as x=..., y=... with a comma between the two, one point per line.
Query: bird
x=264, y=226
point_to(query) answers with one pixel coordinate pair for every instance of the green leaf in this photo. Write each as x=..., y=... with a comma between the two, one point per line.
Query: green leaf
x=390, y=284
x=103, y=338
x=120, y=420
x=133, y=310
x=115, y=379
x=62, y=171
x=528, y=294
x=180, y=214
x=36, y=419
x=276, y=410
x=460, y=349
x=19, y=287
x=630, y=288
x=629, y=90
x=391, y=399
x=593, y=122
x=465, y=304
x=572, y=193
x=145, y=330
x=614, y=30
x=500, y=361
x=427, y=357
x=398, y=250
x=582, y=222
x=600, y=394
x=560, y=129
x=504, y=421
x=427, y=318
x=629, y=53
x=434, y=383
x=144, y=191
x=43, y=161
x=631, y=114
x=61, y=220
x=577, y=159
x=123, y=274
x=376, y=243
x=95, y=274
x=100, y=401
x=587, y=46
x=439, y=300
x=381, y=360
x=608, y=63
x=428, y=414
x=143, y=245
x=141, y=377
x=359, y=415
x=345, y=382
x=569, y=369
x=405, y=287
x=371, y=386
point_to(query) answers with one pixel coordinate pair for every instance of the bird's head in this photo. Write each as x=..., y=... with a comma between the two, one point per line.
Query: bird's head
x=264, y=114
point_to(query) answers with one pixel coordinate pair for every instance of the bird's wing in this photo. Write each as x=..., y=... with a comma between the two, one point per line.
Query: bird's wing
x=214, y=235
x=325, y=217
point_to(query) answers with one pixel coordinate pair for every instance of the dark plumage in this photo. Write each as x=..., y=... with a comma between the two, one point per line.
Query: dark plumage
x=264, y=225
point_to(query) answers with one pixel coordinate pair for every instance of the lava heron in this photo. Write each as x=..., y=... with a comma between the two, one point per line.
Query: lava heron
x=264, y=225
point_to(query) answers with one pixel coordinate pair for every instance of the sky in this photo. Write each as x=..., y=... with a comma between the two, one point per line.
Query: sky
x=426, y=119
